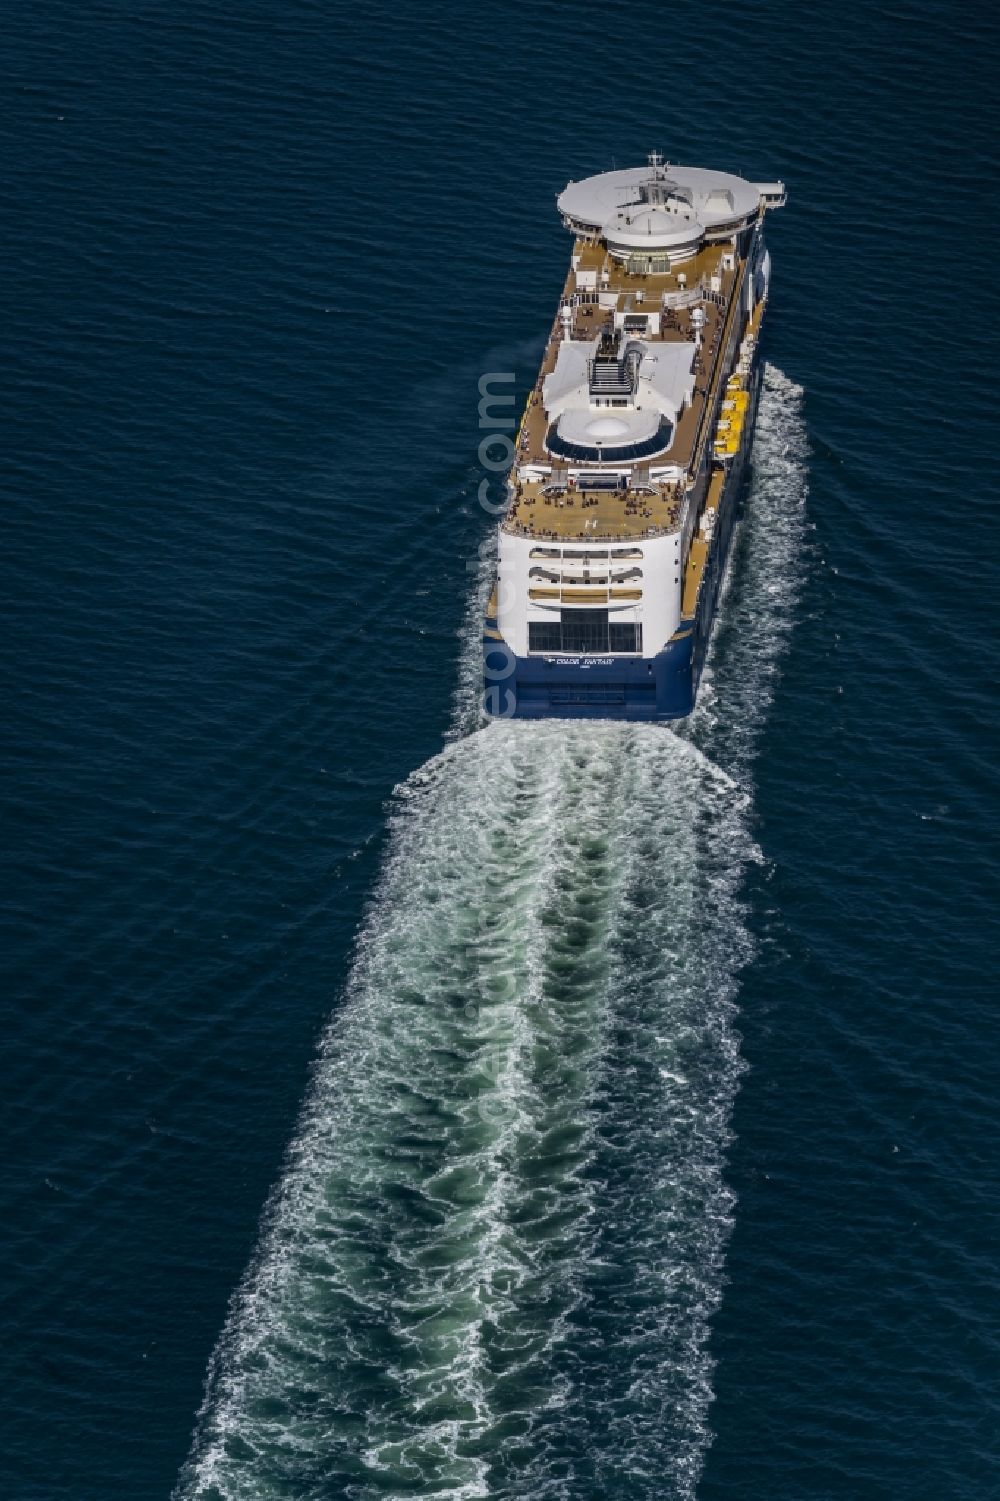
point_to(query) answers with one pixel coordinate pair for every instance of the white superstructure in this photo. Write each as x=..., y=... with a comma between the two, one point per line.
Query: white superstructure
x=641, y=410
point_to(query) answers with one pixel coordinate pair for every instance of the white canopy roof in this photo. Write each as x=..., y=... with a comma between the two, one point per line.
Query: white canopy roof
x=652, y=229
x=665, y=383
x=570, y=377
x=666, y=378
x=626, y=426
x=711, y=197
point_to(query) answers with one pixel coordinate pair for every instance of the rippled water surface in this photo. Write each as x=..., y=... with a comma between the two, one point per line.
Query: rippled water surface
x=620, y=1101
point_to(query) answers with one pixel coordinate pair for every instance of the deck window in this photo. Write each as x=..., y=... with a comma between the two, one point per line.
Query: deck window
x=584, y=633
x=544, y=635
x=624, y=637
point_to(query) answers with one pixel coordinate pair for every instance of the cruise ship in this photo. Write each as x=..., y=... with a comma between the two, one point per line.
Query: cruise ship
x=632, y=451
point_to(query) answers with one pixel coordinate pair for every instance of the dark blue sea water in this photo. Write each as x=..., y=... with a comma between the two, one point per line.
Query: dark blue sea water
x=654, y=1146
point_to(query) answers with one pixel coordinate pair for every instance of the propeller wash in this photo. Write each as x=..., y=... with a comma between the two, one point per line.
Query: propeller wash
x=490, y=1263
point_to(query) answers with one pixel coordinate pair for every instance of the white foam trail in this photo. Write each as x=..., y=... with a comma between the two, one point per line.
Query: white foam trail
x=763, y=585
x=501, y=1224
x=467, y=702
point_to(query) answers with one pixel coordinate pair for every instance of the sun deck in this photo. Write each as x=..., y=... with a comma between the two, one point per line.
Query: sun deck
x=592, y=256
x=554, y=512
x=555, y=508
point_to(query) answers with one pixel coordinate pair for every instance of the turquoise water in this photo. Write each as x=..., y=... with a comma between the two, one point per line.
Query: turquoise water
x=620, y=1102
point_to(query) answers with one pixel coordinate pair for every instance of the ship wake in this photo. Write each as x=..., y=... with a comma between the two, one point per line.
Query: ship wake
x=490, y=1264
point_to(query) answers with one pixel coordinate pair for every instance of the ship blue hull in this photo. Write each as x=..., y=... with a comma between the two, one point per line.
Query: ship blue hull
x=646, y=689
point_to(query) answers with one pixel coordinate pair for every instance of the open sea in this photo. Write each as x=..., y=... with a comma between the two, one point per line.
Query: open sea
x=401, y=1108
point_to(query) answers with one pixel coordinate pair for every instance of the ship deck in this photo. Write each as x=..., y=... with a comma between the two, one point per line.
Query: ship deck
x=699, y=551
x=594, y=515
x=551, y=510
x=593, y=256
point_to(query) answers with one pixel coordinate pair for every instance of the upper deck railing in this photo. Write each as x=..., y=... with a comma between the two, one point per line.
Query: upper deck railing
x=708, y=411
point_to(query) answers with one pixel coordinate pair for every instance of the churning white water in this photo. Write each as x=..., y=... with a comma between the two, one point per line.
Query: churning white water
x=491, y=1261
